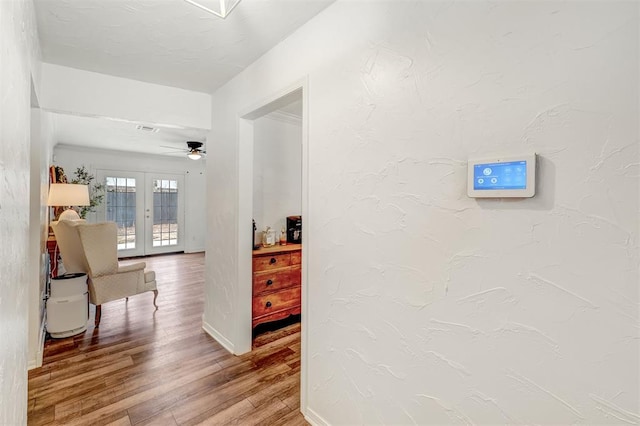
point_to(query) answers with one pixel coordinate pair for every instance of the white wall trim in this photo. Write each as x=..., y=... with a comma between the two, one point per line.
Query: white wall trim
x=37, y=362
x=314, y=418
x=211, y=331
x=270, y=104
x=284, y=117
x=194, y=250
x=244, y=290
x=304, y=334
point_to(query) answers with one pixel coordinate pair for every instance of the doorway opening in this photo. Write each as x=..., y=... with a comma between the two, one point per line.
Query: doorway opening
x=278, y=189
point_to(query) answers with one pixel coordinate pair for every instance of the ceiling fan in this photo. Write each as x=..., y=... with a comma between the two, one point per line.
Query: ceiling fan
x=194, y=150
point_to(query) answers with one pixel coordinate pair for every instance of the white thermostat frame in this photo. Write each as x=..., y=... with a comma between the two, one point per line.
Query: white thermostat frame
x=528, y=192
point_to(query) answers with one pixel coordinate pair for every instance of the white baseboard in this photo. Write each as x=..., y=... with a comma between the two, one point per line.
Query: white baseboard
x=37, y=362
x=314, y=418
x=218, y=336
x=194, y=249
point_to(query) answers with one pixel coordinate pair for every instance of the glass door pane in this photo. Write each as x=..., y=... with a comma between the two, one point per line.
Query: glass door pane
x=165, y=215
x=165, y=212
x=121, y=209
x=124, y=204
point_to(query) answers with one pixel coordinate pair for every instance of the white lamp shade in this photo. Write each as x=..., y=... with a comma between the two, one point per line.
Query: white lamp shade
x=68, y=194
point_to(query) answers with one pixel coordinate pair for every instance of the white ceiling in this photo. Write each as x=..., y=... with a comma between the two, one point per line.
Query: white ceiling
x=168, y=42
x=120, y=135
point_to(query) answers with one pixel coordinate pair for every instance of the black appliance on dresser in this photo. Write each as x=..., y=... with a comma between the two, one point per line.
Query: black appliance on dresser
x=294, y=229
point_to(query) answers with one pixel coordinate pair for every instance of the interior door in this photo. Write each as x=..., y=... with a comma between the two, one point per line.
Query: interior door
x=148, y=209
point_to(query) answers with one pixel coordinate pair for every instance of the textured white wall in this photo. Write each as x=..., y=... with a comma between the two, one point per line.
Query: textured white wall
x=41, y=134
x=426, y=306
x=18, y=61
x=277, y=174
x=70, y=158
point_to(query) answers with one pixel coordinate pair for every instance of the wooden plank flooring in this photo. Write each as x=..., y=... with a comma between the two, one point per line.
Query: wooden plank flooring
x=146, y=367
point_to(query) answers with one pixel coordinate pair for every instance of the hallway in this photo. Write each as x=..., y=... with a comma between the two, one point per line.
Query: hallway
x=143, y=367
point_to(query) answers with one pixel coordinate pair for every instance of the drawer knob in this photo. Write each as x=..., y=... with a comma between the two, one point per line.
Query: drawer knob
x=273, y=260
x=268, y=304
x=269, y=282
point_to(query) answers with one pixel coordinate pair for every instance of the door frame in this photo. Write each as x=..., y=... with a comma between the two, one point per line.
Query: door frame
x=242, y=315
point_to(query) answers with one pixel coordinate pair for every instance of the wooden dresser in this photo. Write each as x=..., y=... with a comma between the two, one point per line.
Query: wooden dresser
x=276, y=283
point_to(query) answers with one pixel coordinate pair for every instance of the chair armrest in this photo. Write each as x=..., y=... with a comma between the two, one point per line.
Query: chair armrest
x=133, y=267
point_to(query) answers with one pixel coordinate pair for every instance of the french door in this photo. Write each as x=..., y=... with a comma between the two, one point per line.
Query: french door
x=148, y=209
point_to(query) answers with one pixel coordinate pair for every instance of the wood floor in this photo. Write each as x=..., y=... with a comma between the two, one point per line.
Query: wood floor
x=146, y=367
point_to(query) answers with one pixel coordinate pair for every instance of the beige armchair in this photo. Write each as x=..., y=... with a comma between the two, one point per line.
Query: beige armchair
x=92, y=249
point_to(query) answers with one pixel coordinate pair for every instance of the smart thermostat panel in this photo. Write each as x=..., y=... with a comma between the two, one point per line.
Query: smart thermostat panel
x=502, y=177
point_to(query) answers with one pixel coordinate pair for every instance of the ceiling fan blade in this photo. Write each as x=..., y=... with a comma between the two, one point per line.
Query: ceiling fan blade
x=173, y=148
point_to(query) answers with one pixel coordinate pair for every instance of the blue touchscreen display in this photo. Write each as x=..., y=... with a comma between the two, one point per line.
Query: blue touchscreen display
x=508, y=175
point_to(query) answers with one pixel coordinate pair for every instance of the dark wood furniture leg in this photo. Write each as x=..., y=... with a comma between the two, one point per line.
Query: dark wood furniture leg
x=98, y=314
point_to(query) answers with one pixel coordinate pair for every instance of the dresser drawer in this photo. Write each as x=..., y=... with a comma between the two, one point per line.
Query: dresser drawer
x=276, y=279
x=265, y=263
x=296, y=257
x=276, y=301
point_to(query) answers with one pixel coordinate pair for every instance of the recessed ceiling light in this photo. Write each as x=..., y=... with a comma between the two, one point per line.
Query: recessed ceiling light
x=220, y=8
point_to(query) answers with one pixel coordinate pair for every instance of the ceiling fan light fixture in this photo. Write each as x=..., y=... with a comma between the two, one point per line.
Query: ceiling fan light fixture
x=220, y=8
x=194, y=155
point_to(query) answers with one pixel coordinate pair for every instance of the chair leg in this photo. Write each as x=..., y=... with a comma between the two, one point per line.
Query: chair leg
x=98, y=315
x=155, y=296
